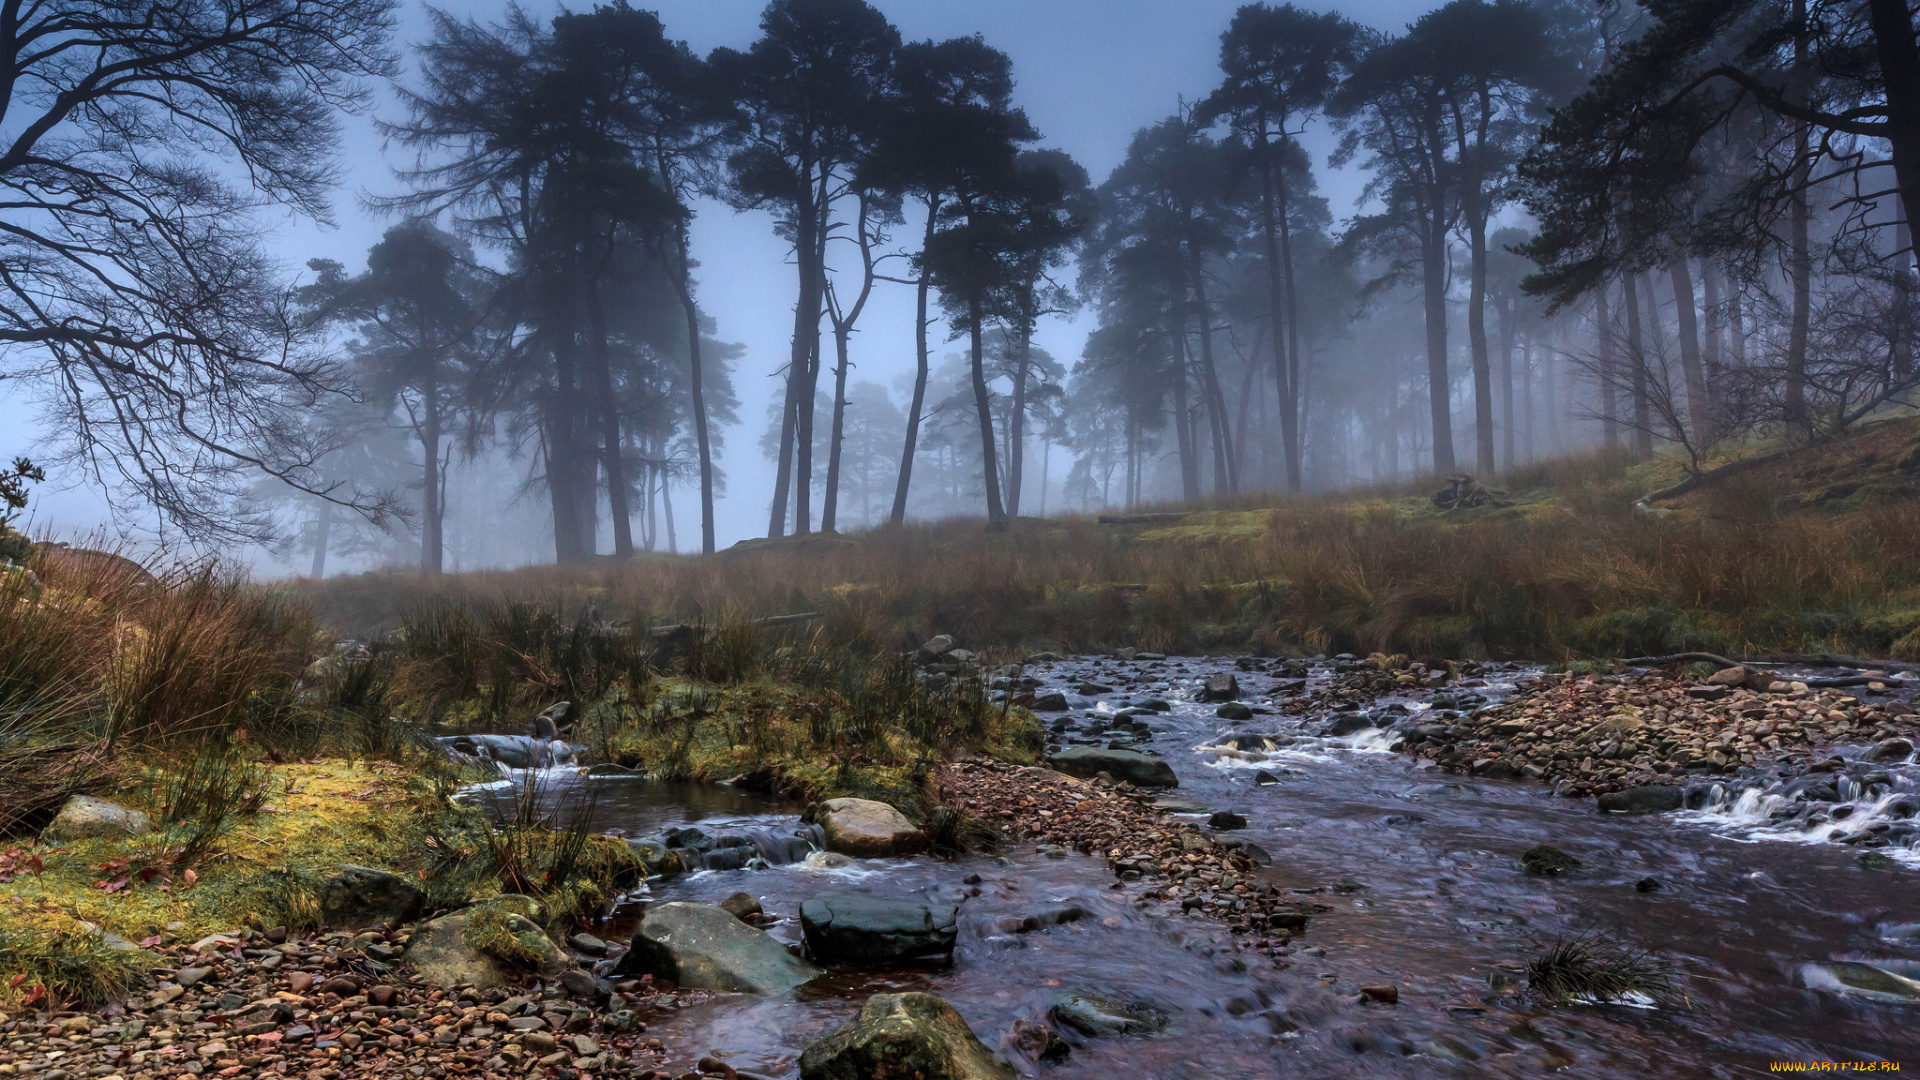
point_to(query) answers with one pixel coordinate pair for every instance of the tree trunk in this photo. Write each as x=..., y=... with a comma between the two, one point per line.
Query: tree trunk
x=1433, y=273
x=696, y=387
x=322, y=528
x=1800, y=253
x=899, y=513
x=568, y=545
x=1508, y=312
x=1710, y=339
x=1550, y=408
x=1637, y=358
x=1899, y=56
x=1901, y=353
x=1017, y=420
x=1699, y=415
x=829, y=503
x=610, y=457
x=430, y=504
x=1477, y=338
x=666, y=507
x=806, y=345
x=1224, y=478
x=1280, y=293
x=1526, y=394
x=976, y=314
x=1182, y=416
x=1607, y=323
x=1240, y=422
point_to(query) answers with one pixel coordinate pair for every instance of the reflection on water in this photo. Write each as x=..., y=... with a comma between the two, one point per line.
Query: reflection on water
x=1430, y=898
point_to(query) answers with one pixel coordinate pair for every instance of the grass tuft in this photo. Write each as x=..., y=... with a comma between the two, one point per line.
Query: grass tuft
x=1592, y=968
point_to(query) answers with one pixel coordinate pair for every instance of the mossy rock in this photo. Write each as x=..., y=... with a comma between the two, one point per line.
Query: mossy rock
x=903, y=1035
x=486, y=945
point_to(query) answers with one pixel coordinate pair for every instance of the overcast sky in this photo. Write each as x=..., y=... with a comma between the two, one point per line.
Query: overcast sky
x=1090, y=73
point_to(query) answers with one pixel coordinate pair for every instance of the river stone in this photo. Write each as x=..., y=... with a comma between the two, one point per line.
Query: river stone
x=741, y=904
x=1221, y=687
x=842, y=926
x=1226, y=819
x=1233, y=710
x=910, y=1036
x=1348, y=723
x=1870, y=981
x=1545, y=860
x=1086, y=762
x=85, y=817
x=867, y=829
x=1054, y=702
x=359, y=896
x=1895, y=749
x=939, y=646
x=703, y=947
x=1099, y=1016
x=1650, y=799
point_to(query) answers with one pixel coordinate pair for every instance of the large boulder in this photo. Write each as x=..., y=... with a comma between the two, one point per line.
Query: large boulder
x=842, y=926
x=903, y=1037
x=704, y=947
x=867, y=829
x=1132, y=766
x=359, y=896
x=1650, y=799
x=85, y=817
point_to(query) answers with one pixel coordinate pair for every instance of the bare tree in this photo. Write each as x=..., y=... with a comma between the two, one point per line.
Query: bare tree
x=134, y=295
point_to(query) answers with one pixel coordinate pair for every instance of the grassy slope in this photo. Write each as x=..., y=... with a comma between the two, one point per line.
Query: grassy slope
x=1819, y=553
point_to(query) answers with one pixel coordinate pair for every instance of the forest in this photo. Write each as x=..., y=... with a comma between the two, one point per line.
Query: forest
x=1666, y=229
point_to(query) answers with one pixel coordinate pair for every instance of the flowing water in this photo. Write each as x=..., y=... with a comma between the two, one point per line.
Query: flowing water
x=1419, y=871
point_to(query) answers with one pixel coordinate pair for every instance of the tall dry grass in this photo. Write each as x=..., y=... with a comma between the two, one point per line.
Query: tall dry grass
x=1576, y=574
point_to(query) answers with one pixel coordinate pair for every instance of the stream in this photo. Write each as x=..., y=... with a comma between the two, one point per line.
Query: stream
x=1419, y=872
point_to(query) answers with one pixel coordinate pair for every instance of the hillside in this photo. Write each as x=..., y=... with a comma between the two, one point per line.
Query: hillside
x=1814, y=553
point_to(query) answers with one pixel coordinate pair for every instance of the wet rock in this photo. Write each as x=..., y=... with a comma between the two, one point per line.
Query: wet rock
x=1226, y=819
x=1094, y=689
x=1648, y=884
x=580, y=984
x=1038, y=1041
x=1384, y=995
x=1893, y=981
x=741, y=904
x=360, y=896
x=1054, y=702
x=1223, y=686
x=705, y=947
x=1265, y=777
x=84, y=817
x=1893, y=750
x=1099, y=1016
x=1546, y=860
x=1348, y=724
x=909, y=1036
x=939, y=646
x=1649, y=799
x=843, y=926
x=867, y=829
x=1087, y=762
x=1233, y=710
x=587, y=945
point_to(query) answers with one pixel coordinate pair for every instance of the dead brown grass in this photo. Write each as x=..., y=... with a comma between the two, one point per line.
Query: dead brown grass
x=1570, y=571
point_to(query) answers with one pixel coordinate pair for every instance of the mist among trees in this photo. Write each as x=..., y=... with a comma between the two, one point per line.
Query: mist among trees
x=1675, y=228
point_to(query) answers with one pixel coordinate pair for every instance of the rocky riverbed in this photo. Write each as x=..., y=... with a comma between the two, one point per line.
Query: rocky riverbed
x=1235, y=868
